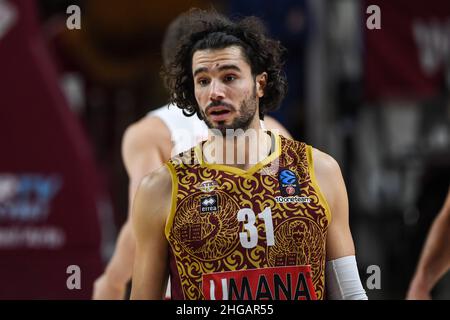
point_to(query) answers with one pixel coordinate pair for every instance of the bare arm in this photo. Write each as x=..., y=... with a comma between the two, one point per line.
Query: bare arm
x=341, y=271
x=273, y=124
x=150, y=211
x=145, y=146
x=329, y=178
x=435, y=258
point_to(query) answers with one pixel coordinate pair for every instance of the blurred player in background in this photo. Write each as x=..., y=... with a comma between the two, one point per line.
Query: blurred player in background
x=435, y=258
x=146, y=145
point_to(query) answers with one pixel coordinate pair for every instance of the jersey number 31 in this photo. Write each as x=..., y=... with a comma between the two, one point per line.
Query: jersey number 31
x=249, y=237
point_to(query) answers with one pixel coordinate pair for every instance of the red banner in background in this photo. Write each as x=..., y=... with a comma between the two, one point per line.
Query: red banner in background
x=408, y=56
x=49, y=189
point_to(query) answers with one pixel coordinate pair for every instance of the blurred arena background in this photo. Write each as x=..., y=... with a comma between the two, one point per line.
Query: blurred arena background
x=376, y=100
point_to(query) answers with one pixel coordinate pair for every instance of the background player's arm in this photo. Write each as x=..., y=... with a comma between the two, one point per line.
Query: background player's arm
x=271, y=123
x=435, y=258
x=145, y=146
x=151, y=208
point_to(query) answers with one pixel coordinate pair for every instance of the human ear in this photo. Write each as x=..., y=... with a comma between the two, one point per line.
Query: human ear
x=261, y=82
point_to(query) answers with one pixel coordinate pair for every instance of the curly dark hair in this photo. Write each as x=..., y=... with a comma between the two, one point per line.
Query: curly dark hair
x=211, y=30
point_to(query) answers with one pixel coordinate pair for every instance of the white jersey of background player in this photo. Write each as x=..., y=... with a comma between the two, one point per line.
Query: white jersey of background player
x=187, y=132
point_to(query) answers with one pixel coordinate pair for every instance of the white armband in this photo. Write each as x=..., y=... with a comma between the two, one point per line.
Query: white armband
x=342, y=280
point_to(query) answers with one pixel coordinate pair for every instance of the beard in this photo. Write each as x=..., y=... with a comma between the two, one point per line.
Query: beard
x=242, y=121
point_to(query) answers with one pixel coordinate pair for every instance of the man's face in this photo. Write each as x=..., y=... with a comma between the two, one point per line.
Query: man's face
x=225, y=90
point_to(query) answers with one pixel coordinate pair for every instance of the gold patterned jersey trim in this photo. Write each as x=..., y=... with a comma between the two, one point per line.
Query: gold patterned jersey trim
x=173, y=207
x=208, y=241
x=312, y=174
x=238, y=171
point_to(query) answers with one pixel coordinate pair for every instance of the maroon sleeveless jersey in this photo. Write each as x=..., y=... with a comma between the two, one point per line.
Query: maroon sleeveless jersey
x=247, y=234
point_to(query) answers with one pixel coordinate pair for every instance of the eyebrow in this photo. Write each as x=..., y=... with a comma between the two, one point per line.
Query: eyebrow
x=221, y=68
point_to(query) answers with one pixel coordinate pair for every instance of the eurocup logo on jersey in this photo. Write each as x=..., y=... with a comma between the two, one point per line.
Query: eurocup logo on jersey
x=288, y=183
x=279, y=283
x=289, y=188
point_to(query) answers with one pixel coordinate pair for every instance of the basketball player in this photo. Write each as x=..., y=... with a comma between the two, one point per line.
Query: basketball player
x=247, y=214
x=435, y=258
x=147, y=144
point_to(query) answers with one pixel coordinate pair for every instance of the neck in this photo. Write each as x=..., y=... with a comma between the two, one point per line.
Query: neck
x=238, y=148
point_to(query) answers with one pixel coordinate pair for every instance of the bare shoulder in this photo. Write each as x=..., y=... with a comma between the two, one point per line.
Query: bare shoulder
x=324, y=163
x=146, y=130
x=153, y=197
x=329, y=177
x=146, y=137
x=157, y=183
x=273, y=125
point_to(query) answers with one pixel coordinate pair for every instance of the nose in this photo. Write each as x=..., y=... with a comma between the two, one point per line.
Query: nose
x=217, y=91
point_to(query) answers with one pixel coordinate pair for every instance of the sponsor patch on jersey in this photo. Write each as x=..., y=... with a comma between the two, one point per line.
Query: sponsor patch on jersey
x=279, y=283
x=288, y=183
x=294, y=199
x=209, y=204
x=207, y=186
